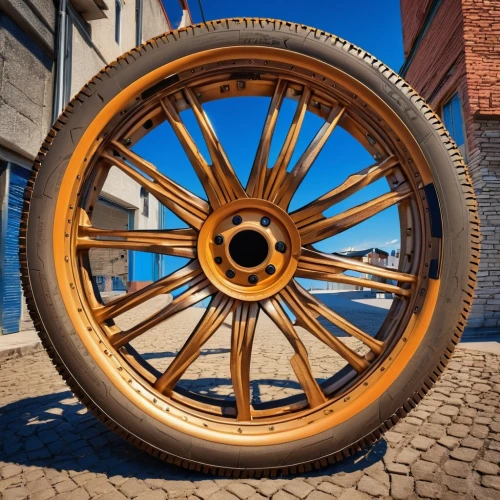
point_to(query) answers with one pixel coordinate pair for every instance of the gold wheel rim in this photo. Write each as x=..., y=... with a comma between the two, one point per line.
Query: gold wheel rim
x=324, y=406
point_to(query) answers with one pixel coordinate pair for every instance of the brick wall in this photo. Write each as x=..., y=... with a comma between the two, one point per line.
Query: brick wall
x=459, y=53
x=482, y=49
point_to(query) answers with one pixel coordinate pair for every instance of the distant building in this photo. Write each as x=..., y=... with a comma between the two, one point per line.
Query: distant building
x=48, y=50
x=374, y=256
x=452, y=52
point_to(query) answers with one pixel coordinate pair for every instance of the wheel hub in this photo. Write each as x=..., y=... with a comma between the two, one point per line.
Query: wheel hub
x=249, y=249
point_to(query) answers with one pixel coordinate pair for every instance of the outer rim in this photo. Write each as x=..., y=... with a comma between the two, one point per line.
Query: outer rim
x=392, y=368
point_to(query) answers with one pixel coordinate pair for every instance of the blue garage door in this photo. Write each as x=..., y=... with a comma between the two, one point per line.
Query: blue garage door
x=10, y=312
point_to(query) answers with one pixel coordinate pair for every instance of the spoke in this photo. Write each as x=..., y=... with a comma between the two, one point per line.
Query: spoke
x=296, y=175
x=201, y=167
x=317, y=308
x=177, y=242
x=312, y=212
x=244, y=322
x=186, y=205
x=336, y=224
x=223, y=171
x=256, y=181
x=220, y=306
x=325, y=267
x=164, y=285
x=300, y=360
x=307, y=320
x=199, y=288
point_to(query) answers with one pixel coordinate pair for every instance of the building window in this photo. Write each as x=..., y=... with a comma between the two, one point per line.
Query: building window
x=454, y=122
x=145, y=202
x=118, y=21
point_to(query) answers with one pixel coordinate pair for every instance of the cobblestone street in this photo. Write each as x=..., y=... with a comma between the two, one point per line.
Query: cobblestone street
x=449, y=447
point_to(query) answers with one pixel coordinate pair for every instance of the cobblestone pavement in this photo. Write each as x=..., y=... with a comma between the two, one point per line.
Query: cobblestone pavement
x=448, y=448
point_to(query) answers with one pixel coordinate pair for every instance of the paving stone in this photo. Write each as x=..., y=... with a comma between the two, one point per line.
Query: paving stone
x=281, y=495
x=347, y=480
x=153, y=495
x=484, y=467
x=433, y=431
x=268, y=488
x=424, y=471
x=479, y=431
x=458, y=430
x=372, y=487
x=435, y=454
x=464, y=454
x=422, y=443
x=401, y=487
x=320, y=495
x=456, y=468
x=408, y=456
x=352, y=494
x=65, y=486
x=491, y=482
x=456, y=484
x=395, y=468
x=330, y=488
x=428, y=490
x=98, y=486
x=244, y=491
x=472, y=442
x=449, y=442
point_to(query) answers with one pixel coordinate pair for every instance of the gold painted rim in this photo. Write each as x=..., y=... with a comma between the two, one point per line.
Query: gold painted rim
x=73, y=231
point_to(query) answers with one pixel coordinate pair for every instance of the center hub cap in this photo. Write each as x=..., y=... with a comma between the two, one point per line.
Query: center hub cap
x=249, y=249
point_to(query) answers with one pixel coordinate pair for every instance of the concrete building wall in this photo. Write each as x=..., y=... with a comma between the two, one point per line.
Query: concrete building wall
x=459, y=53
x=26, y=80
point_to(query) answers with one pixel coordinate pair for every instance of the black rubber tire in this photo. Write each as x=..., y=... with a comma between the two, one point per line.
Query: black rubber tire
x=458, y=266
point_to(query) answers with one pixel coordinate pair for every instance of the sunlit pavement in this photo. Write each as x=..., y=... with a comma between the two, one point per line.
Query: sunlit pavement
x=449, y=447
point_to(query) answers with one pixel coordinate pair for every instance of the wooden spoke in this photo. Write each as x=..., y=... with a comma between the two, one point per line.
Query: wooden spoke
x=244, y=322
x=164, y=285
x=223, y=171
x=326, y=267
x=312, y=212
x=300, y=360
x=317, y=308
x=199, y=288
x=293, y=179
x=326, y=227
x=177, y=242
x=186, y=205
x=220, y=306
x=307, y=320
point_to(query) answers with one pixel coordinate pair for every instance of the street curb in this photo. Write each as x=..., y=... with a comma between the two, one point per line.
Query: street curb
x=20, y=351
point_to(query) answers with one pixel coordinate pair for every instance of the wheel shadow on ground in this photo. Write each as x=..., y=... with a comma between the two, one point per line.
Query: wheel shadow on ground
x=55, y=431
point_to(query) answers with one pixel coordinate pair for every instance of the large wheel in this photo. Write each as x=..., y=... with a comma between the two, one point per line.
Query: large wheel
x=378, y=377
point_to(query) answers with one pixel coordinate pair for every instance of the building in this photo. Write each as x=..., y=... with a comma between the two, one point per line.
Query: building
x=452, y=58
x=48, y=51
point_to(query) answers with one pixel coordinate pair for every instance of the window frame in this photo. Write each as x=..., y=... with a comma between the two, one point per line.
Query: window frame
x=449, y=101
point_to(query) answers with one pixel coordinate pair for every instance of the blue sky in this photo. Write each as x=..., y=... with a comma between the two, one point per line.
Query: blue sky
x=373, y=25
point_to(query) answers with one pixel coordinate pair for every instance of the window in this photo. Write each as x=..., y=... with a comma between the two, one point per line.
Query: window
x=453, y=120
x=118, y=21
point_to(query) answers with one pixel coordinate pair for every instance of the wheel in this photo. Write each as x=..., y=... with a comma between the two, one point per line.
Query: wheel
x=246, y=249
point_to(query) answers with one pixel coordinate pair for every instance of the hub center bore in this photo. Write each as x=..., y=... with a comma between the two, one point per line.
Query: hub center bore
x=248, y=248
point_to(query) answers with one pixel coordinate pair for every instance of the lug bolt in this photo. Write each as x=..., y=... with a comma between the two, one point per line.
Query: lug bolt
x=230, y=274
x=270, y=269
x=237, y=220
x=280, y=247
x=218, y=260
x=253, y=279
x=219, y=239
x=265, y=221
